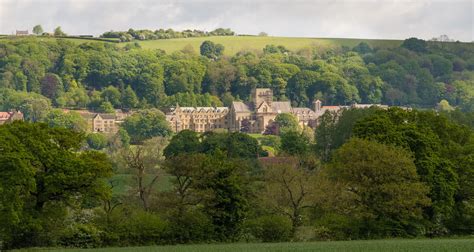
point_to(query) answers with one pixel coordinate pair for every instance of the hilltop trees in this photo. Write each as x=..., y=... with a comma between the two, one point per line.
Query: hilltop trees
x=211, y=50
x=38, y=30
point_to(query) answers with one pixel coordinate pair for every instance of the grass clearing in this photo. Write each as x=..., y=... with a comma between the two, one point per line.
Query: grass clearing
x=428, y=245
x=233, y=44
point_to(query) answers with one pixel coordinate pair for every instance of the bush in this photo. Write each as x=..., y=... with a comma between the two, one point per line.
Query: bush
x=96, y=141
x=81, y=236
x=271, y=228
x=190, y=226
x=132, y=228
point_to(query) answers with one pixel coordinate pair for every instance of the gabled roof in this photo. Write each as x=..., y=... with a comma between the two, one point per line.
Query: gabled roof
x=299, y=111
x=240, y=107
x=105, y=116
x=281, y=106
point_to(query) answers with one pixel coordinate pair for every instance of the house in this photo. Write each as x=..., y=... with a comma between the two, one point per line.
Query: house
x=102, y=122
x=21, y=33
x=7, y=117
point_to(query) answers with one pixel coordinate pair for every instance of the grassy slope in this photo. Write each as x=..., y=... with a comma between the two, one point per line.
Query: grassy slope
x=431, y=245
x=238, y=43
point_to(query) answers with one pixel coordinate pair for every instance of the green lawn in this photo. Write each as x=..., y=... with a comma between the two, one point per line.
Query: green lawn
x=429, y=245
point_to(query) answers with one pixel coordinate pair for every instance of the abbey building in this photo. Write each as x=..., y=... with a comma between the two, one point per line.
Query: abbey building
x=255, y=116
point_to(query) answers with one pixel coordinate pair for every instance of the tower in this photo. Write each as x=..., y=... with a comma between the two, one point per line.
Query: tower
x=262, y=94
x=317, y=105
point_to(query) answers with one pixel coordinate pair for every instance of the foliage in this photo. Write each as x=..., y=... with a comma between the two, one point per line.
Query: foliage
x=96, y=141
x=146, y=124
x=211, y=50
x=69, y=120
x=438, y=147
x=271, y=228
x=50, y=174
x=381, y=186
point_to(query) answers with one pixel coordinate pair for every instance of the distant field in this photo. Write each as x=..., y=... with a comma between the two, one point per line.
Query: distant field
x=421, y=245
x=234, y=44
x=238, y=43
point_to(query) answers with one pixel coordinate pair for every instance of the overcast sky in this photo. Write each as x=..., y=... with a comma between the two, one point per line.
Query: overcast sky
x=397, y=19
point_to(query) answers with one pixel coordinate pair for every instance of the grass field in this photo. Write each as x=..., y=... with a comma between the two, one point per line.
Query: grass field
x=234, y=44
x=253, y=43
x=428, y=245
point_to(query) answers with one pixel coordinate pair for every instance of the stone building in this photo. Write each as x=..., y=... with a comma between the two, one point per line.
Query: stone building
x=199, y=119
x=254, y=116
x=108, y=123
x=7, y=117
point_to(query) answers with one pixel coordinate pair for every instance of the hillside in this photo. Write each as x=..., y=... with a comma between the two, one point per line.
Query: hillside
x=254, y=43
x=234, y=44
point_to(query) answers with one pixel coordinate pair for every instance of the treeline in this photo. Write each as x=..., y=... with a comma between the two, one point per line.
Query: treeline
x=131, y=34
x=100, y=76
x=370, y=174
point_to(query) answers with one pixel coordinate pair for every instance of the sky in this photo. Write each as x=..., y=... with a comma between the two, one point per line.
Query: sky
x=376, y=19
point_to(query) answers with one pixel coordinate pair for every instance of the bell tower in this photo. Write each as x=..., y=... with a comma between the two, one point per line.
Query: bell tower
x=262, y=94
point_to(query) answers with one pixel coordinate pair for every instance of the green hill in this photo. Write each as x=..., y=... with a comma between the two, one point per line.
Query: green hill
x=238, y=43
x=234, y=44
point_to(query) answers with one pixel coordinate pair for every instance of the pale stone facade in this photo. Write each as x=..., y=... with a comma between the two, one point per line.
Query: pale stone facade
x=7, y=117
x=108, y=123
x=199, y=119
x=254, y=116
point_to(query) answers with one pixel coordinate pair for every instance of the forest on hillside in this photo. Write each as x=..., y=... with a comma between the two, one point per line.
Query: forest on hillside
x=38, y=74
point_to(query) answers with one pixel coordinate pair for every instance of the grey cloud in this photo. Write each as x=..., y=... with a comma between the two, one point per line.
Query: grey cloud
x=303, y=18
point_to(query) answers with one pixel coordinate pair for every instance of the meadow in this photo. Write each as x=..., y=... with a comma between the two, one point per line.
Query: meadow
x=234, y=44
x=418, y=245
x=255, y=43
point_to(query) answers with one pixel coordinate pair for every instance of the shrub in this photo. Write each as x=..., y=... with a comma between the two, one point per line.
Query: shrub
x=271, y=228
x=190, y=226
x=80, y=236
x=96, y=141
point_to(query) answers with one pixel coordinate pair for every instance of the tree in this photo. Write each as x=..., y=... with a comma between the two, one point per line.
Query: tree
x=294, y=143
x=51, y=85
x=383, y=188
x=287, y=122
x=185, y=142
x=112, y=95
x=106, y=107
x=96, y=141
x=42, y=172
x=430, y=138
x=129, y=98
x=38, y=30
x=145, y=162
x=416, y=45
x=146, y=124
x=58, y=32
x=70, y=120
x=227, y=204
x=288, y=190
x=211, y=50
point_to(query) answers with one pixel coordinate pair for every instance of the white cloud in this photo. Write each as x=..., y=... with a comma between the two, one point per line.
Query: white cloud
x=310, y=18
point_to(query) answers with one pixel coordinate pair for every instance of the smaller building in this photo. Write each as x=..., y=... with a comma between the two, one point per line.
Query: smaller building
x=108, y=123
x=21, y=33
x=7, y=117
